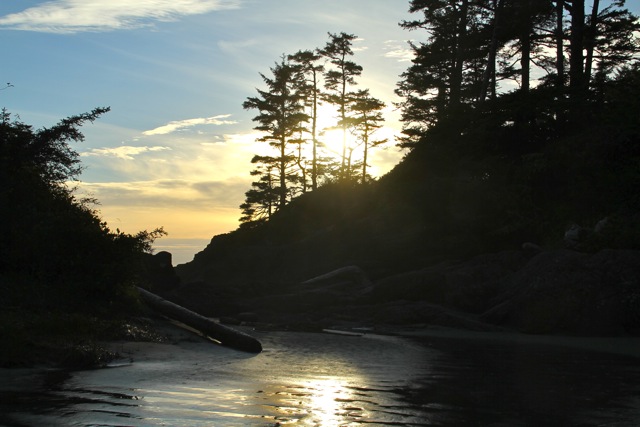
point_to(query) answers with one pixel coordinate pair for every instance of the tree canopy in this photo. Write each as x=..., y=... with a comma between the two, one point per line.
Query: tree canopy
x=511, y=110
x=55, y=250
x=289, y=116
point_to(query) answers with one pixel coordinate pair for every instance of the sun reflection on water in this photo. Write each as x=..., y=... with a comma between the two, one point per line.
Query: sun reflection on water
x=325, y=401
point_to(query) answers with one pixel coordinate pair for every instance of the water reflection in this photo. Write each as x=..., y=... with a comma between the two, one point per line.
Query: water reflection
x=327, y=402
x=312, y=380
x=328, y=399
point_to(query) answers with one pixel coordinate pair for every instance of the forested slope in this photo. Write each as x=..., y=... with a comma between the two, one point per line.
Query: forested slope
x=486, y=170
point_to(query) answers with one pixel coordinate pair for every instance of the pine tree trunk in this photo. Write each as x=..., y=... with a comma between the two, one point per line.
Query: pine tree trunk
x=489, y=73
x=591, y=42
x=458, y=65
x=577, y=87
x=560, y=73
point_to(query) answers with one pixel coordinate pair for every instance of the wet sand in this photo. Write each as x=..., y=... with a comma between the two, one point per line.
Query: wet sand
x=434, y=377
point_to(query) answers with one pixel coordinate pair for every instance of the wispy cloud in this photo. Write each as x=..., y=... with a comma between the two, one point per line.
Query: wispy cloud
x=125, y=152
x=398, y=50
x=73, y=16
x=183, y=124
x=169, y=193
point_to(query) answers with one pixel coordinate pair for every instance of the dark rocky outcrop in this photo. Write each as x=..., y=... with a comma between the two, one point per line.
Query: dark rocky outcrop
x=564, y=291
x=467, y=286
x=159, y=271
x=557, y=291
x=529, y=290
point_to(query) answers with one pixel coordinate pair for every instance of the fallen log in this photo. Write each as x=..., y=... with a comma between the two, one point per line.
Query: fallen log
x=226, y=336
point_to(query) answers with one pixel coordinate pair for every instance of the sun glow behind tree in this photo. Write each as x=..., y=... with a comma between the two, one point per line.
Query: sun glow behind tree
x=317, y=126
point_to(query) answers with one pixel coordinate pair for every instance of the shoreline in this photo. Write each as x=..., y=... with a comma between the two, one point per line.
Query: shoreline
x=178, y=336
x=622, y=345
x=181, y=337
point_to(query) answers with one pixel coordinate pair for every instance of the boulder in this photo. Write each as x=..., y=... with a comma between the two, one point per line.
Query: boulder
x=574, y=236
x=160, y=273
x=467, y=286
x=569, y=292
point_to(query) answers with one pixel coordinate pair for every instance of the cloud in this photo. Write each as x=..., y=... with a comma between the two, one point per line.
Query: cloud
x=169, y=193
x=182, y=124
x=397, y=50
x=73, y=16
x=125, y=152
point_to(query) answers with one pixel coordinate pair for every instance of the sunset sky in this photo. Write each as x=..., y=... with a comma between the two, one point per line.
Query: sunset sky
x=175, y=149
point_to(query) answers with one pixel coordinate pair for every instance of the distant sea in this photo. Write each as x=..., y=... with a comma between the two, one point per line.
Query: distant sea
x=183, y=250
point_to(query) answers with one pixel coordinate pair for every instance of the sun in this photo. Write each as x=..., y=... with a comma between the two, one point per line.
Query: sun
x=331, y=141
x=331, y=137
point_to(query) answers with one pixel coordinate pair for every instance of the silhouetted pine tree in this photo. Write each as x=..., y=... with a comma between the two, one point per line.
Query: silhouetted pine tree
x=280, y=118
x=338, y=81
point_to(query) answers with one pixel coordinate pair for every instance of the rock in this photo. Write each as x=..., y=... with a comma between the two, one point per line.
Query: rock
x=204, y=298
x=568, y=292
x=420, y=312
x=352, y=275
x=247, y=317
x=531, y=248
x=160, y=273
x=602, y=225
x=163, y=259
x=467, y=286
x=574, y=235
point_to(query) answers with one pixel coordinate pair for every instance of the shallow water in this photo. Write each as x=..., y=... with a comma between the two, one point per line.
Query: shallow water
x=303, y=379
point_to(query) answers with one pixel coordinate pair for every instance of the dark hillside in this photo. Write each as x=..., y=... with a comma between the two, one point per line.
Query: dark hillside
x=431, y=208
x=455, y=196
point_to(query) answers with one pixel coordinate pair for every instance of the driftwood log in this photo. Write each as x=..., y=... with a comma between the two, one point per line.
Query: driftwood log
x=226, y=336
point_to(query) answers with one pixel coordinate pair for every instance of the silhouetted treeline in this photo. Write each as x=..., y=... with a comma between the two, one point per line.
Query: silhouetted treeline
x=289, y=121
x=520, y=118
x=516, y=105
x=561, y=146
x=55, y=251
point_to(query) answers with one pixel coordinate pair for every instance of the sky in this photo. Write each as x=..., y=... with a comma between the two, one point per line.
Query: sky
x=175, y=149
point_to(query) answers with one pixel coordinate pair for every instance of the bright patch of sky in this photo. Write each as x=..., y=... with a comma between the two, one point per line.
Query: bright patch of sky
x=175, y=149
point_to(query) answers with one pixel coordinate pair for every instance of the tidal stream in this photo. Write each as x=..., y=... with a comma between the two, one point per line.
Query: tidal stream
x=305, y=379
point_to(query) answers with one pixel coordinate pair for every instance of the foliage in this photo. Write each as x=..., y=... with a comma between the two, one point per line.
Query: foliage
x=289, y=119
x=55, y=250
x=365, y=120
x=262, y=199
x=280, y=114
x=338, y=81
x=521, y=118
x=537, y=152
x=310, y=88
